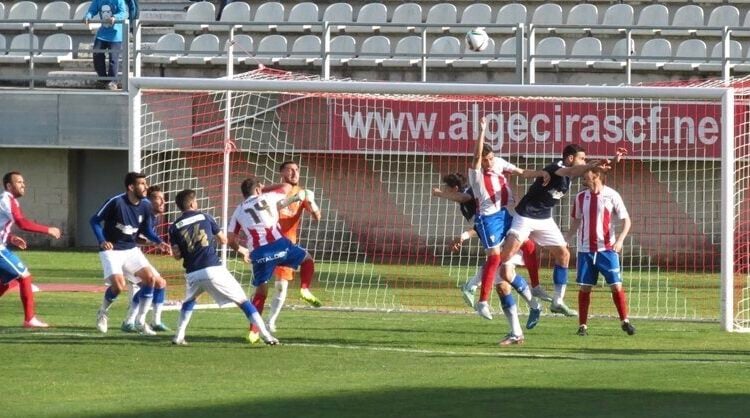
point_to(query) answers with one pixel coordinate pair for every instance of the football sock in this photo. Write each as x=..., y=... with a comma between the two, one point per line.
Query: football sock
x=531, y=261
x=185, y=313
x=621, y=304
x=510, y=309
x=278, y=299
x=259, y=302
x=27, y=297
x=560, y=279
x=144, y=303
x=133, y=307
x=474, y=282
x=584, y=300
x=306, y=271
x=4, y=288
x=520, y=285
x=109, y=297
x=488, y=276
x=254, y=318
x=158, y=303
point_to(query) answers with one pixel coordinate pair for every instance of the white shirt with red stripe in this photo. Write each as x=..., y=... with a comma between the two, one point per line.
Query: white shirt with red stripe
x=10, y=213
x=596, y=211
x=491, y=188
x=258, y=218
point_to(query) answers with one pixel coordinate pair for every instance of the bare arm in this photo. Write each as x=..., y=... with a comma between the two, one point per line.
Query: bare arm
x=480, y=144
x=626, y=224
x=570, y=235
x=176, y=252
x=455, y=245
x=454, y=196
x=221, y=238
x=532, y=174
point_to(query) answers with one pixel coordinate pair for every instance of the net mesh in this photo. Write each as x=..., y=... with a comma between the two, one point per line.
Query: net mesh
x=372, y=161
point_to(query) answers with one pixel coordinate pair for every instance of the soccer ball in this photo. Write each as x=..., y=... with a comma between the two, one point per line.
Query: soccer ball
x=477, y=40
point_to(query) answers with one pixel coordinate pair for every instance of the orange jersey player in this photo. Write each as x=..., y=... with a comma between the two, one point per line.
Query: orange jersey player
x=289, y=221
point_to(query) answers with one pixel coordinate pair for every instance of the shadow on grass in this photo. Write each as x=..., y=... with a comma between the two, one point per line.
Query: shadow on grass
x=466, y=403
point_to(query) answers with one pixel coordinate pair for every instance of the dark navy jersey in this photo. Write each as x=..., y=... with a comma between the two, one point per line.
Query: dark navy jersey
x=539, y=200
x=195, y=235
x=468, y=208
x=123, y=222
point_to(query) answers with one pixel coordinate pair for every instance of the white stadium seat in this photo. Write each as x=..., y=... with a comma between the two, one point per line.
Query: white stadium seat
x=267, y=17
x=721, y=16
x=22, y=10
x=202, y=48
x=20, y=46
x=548, y=14
x=343, y=49
x=509, y=14
x=407, y=52
x=444, y=14
x=233, y=12
x=444, y=51
x=203, y=11
x=689, y=17
x=271, y=49
x=166, y=50
x=406, y=14
x=584, y=53
x=339, y=12
x=305, y=15
x=652, y=15
x=373, y=52
x=584, y=14
x=715, y=63
x=374, y=14
x=620, y=15
x=690, y=54
x=306, y=50
x=57, y=10
x=551, y=50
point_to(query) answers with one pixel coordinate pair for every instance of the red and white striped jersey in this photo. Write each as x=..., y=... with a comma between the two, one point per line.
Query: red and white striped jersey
x=258, y=218
x=491, y=188
x=10, y=213
x=595, y=210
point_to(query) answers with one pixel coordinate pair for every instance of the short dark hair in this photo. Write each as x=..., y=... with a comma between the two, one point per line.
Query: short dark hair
x=8, y=177
x=455, y=180
x=153, y=189
x=248, y=185
x=286, y=163
x=572, y=149
x=132, y=177
x=183, y=199
x=486, y=149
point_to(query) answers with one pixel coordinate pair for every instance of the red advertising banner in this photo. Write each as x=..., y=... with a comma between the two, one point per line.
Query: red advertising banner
x=656, y=129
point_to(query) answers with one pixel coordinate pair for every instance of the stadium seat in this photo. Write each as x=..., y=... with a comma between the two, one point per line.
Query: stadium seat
x=271, y=49
x=338, y=12
x=690, y=54
x=343, y=49
x=548, y=15
x=477, y=15
x=304, y=16
x=23, y=10
x=688, y=18
x=20, y=46
x=405, y=15
x=506, y=55
x=267, y=17
x=77, y=25
x=744, y=66
x=549, y=52
x=444, y=14
x=746, y=25
x=584, y=53
x=616, y=59
x=168, y=47
x=584, y=14
x=306, y=50
x=509, y=14
x=3, y=45
x=233, y=12
x=408, y=52
x=715, y=62
x=374, y=14
x=373, y=52
x=620, y=15
x=56, y=47
x=2, y=11
x=243, y=51
x=652, y=15
x=474, y=59
x=721, y=16
x=203, y=11
x=654, y=54
x=444, y=51
x=202, y=48
x=57, y=10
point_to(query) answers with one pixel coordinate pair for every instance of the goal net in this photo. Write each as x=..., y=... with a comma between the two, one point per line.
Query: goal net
x=372, y=157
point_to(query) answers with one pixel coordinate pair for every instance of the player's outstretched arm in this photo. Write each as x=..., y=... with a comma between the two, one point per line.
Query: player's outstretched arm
x=533, y=174
x=453, y=196
x=480, y=144
x=457, y=242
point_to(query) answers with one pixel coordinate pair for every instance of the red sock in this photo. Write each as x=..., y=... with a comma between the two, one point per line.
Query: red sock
x=621, y=303
x=306, y=271
x=258, y=301
x=4, y=288
x=488, y=276
x=530, y=259
x=584, y=300
x=27, y=297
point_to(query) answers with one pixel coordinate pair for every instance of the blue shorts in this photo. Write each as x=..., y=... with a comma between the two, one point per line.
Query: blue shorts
x=492, y=228
x=11, y=267
x=278, y=253
x=591, y=264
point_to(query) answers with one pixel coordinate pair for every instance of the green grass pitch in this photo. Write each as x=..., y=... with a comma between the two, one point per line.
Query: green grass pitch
x=354, y=364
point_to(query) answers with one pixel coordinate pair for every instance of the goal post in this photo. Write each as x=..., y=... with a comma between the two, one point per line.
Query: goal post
x=382, y=241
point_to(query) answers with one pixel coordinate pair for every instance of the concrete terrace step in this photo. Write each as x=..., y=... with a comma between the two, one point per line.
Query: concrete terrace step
x=165, y=5
x=73, y=79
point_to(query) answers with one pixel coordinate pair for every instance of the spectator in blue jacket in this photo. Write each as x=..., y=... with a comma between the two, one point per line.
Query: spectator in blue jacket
x=108, y=38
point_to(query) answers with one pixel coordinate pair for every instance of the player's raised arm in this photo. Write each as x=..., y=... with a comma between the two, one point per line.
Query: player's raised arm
x=480, y=144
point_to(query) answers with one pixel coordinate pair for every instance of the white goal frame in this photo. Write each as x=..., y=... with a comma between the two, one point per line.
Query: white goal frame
x=722, y=95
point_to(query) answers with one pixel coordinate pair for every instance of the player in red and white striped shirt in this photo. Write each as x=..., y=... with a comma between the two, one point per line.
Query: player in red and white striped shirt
x=593, y=213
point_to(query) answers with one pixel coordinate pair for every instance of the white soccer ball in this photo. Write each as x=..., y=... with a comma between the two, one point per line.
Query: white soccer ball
x=477, y=40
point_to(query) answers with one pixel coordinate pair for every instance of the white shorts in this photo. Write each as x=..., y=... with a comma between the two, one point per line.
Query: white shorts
x=544, y=232
x=218, y=282
x=131, y=278
x=124, y=262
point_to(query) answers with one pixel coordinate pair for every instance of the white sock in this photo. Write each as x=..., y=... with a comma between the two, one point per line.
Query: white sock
x=278, y=300
x=144, y=304
x=473, y=283
x=182, y=324
x=511, y=314
x=105, y=305
x=132, y=312
x=158, y=307
x=559, y=294
x=526, y=295
x=258, y=321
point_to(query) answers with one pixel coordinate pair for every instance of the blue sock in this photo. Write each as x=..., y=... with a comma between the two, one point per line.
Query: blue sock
x=507, y=301
x=109, y=295
x=519, y=283
x=248, y=309
x=188, y=305
x=159, y=295
x=146, y=292
x=560, y=275
x=137, y=296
